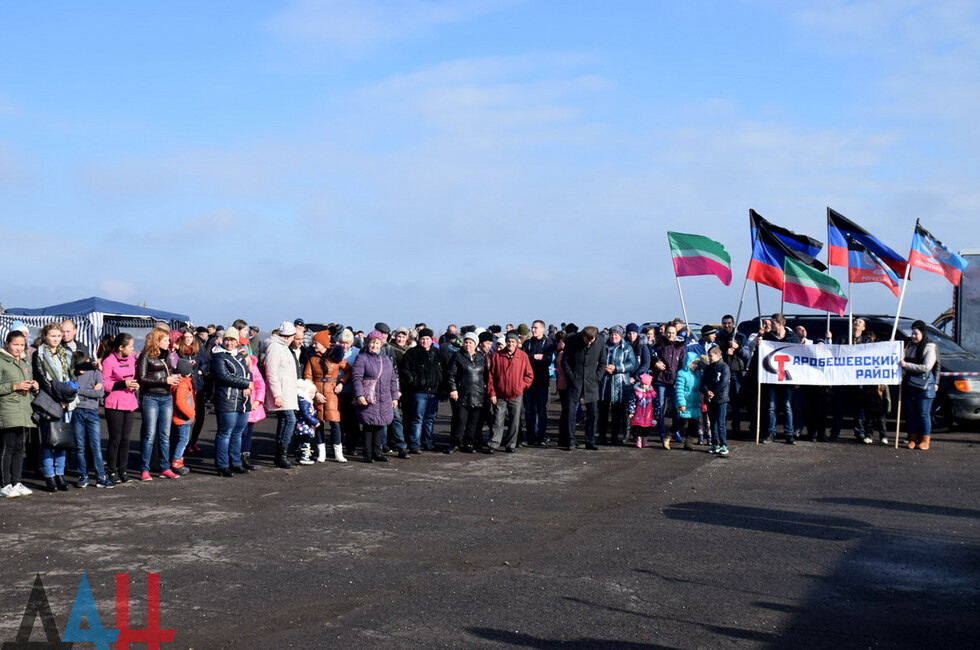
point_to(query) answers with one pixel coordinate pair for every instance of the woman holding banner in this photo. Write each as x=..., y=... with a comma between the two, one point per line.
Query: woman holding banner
x=919, y=381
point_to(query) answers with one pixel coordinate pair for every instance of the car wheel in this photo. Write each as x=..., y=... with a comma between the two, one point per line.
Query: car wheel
x=942, y=413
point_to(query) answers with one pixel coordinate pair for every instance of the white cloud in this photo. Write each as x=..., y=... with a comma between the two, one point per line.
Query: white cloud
x=358, y=24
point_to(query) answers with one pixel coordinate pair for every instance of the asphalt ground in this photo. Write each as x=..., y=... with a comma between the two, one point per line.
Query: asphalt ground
x=815, y=545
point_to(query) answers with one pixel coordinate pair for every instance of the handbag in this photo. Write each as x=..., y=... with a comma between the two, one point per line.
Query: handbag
x=371, y=390
x=61, y=435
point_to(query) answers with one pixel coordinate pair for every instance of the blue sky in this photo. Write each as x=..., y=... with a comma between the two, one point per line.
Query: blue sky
x=470, y=161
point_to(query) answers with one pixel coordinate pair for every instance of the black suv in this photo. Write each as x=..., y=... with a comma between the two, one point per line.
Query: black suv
x=958, y=399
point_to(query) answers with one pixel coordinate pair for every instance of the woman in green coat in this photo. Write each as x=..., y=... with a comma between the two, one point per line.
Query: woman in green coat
x=17, y=389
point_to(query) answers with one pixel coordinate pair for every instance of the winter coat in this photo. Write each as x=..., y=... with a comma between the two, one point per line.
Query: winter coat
x=687, y=388
x=643, y=407
x=257, y=414
x=115, y=371
x=232, y=375
x=919, y=360
x=584, y=367
x=184, y=402
x=671, y=354
x=542, y=369
x=152, y=373
x=306, y=420
x=739, y=360
x=421, y=370
x=468, y=377
x=877, y=400
x=325, y=375
x=15, y=407
x=560, y=382
x=642, y=352
x=509, y=376
x=716, y=378
x=369, y=366
x=280, y=375
x=614, y=388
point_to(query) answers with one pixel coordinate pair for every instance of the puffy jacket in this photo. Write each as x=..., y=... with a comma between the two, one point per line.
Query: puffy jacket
x=509, y=375
x=671, y=354
x=325, y=375
x=615, y=387
x=716, y=378
x=641, y=350
x=687, y=388
x=306, y=420
x=583, y=367
x=184, y=403
x=370, y=366
x=15, y=407
x=257, y=414
x=542, y=369
x=468, y=377
x=152, y=373
x=280, y=375
x=115, y=371
x=643, y=407
x=420, y=370
x=232, y=375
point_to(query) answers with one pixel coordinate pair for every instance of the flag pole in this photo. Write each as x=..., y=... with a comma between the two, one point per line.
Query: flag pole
x=745, y=285
x=901, y=297
x=898, y=416
x=683, y=307
x=850, y=311
x=758, y=396
x=758, y=303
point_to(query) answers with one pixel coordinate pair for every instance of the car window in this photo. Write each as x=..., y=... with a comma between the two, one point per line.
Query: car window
x=946, y=345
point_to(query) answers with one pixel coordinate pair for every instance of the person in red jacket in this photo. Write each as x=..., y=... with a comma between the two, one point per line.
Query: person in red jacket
x=510, y=376
x=185, y=407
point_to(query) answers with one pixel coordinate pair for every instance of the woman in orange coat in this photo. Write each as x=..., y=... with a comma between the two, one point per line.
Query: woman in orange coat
x=322, y=369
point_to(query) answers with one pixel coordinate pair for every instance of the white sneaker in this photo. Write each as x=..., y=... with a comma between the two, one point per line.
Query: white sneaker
x=23, y=490
x=9, y=491
x=884, y=440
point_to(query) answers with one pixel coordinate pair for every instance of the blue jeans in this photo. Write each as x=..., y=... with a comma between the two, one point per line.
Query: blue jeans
x=285, y=425
x=228, y=439
x=52, y=460
x=780, y=395
x=396, y=431
x=920, y=414
x=536, y=412
x=425, y=407
x=157, y=412
x=717, y=414
x=183, y=437
x=88, y=432
x=663, y=392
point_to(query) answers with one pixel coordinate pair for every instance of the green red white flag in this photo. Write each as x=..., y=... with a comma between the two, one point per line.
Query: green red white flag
x=804, y=285
x=697, y=255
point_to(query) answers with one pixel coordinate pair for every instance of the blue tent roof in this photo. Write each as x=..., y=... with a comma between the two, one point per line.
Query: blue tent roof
x=100, y=305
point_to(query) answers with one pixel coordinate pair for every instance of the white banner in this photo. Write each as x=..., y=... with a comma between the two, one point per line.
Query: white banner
x=830, y=365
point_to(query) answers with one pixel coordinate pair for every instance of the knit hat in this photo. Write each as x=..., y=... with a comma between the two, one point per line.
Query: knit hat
x=375, y=334
x=425, y=331
x=616, y=329
x=707, y=330
x=231, y=333
x=633, y=327
x=523, y=329
x=287, y=329
x=200, y=329
x=513, y=335
x=20, y=327
x=470, y=336
x=184, y=367
x=382, y=327
x=323, y=338
x=401, y=330
x=305, y=388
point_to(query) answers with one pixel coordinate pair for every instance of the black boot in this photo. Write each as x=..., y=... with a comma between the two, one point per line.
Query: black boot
x=245, y=461
x=59, y=481
x=282, y=460
x=49, y=484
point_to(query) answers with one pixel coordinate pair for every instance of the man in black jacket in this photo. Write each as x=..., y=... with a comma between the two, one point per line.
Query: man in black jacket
x=541, y=350
x=420, y=371
x=583, y=363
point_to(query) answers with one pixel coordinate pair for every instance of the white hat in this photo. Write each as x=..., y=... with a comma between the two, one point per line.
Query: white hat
x=287, y=328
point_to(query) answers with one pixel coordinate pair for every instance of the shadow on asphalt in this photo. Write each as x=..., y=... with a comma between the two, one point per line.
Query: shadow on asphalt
x=889, y=590
x=520, y=640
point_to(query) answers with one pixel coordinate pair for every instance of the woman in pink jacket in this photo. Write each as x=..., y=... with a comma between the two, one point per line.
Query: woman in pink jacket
x=119, y=378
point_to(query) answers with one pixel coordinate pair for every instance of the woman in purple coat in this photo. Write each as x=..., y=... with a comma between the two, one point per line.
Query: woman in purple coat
x=376, y=392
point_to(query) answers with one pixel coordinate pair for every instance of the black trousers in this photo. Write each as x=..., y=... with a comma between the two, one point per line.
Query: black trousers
x=11, y=455
x=120, y=424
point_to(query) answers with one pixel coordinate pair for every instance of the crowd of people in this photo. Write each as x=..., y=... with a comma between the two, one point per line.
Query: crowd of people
x=345, y=393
